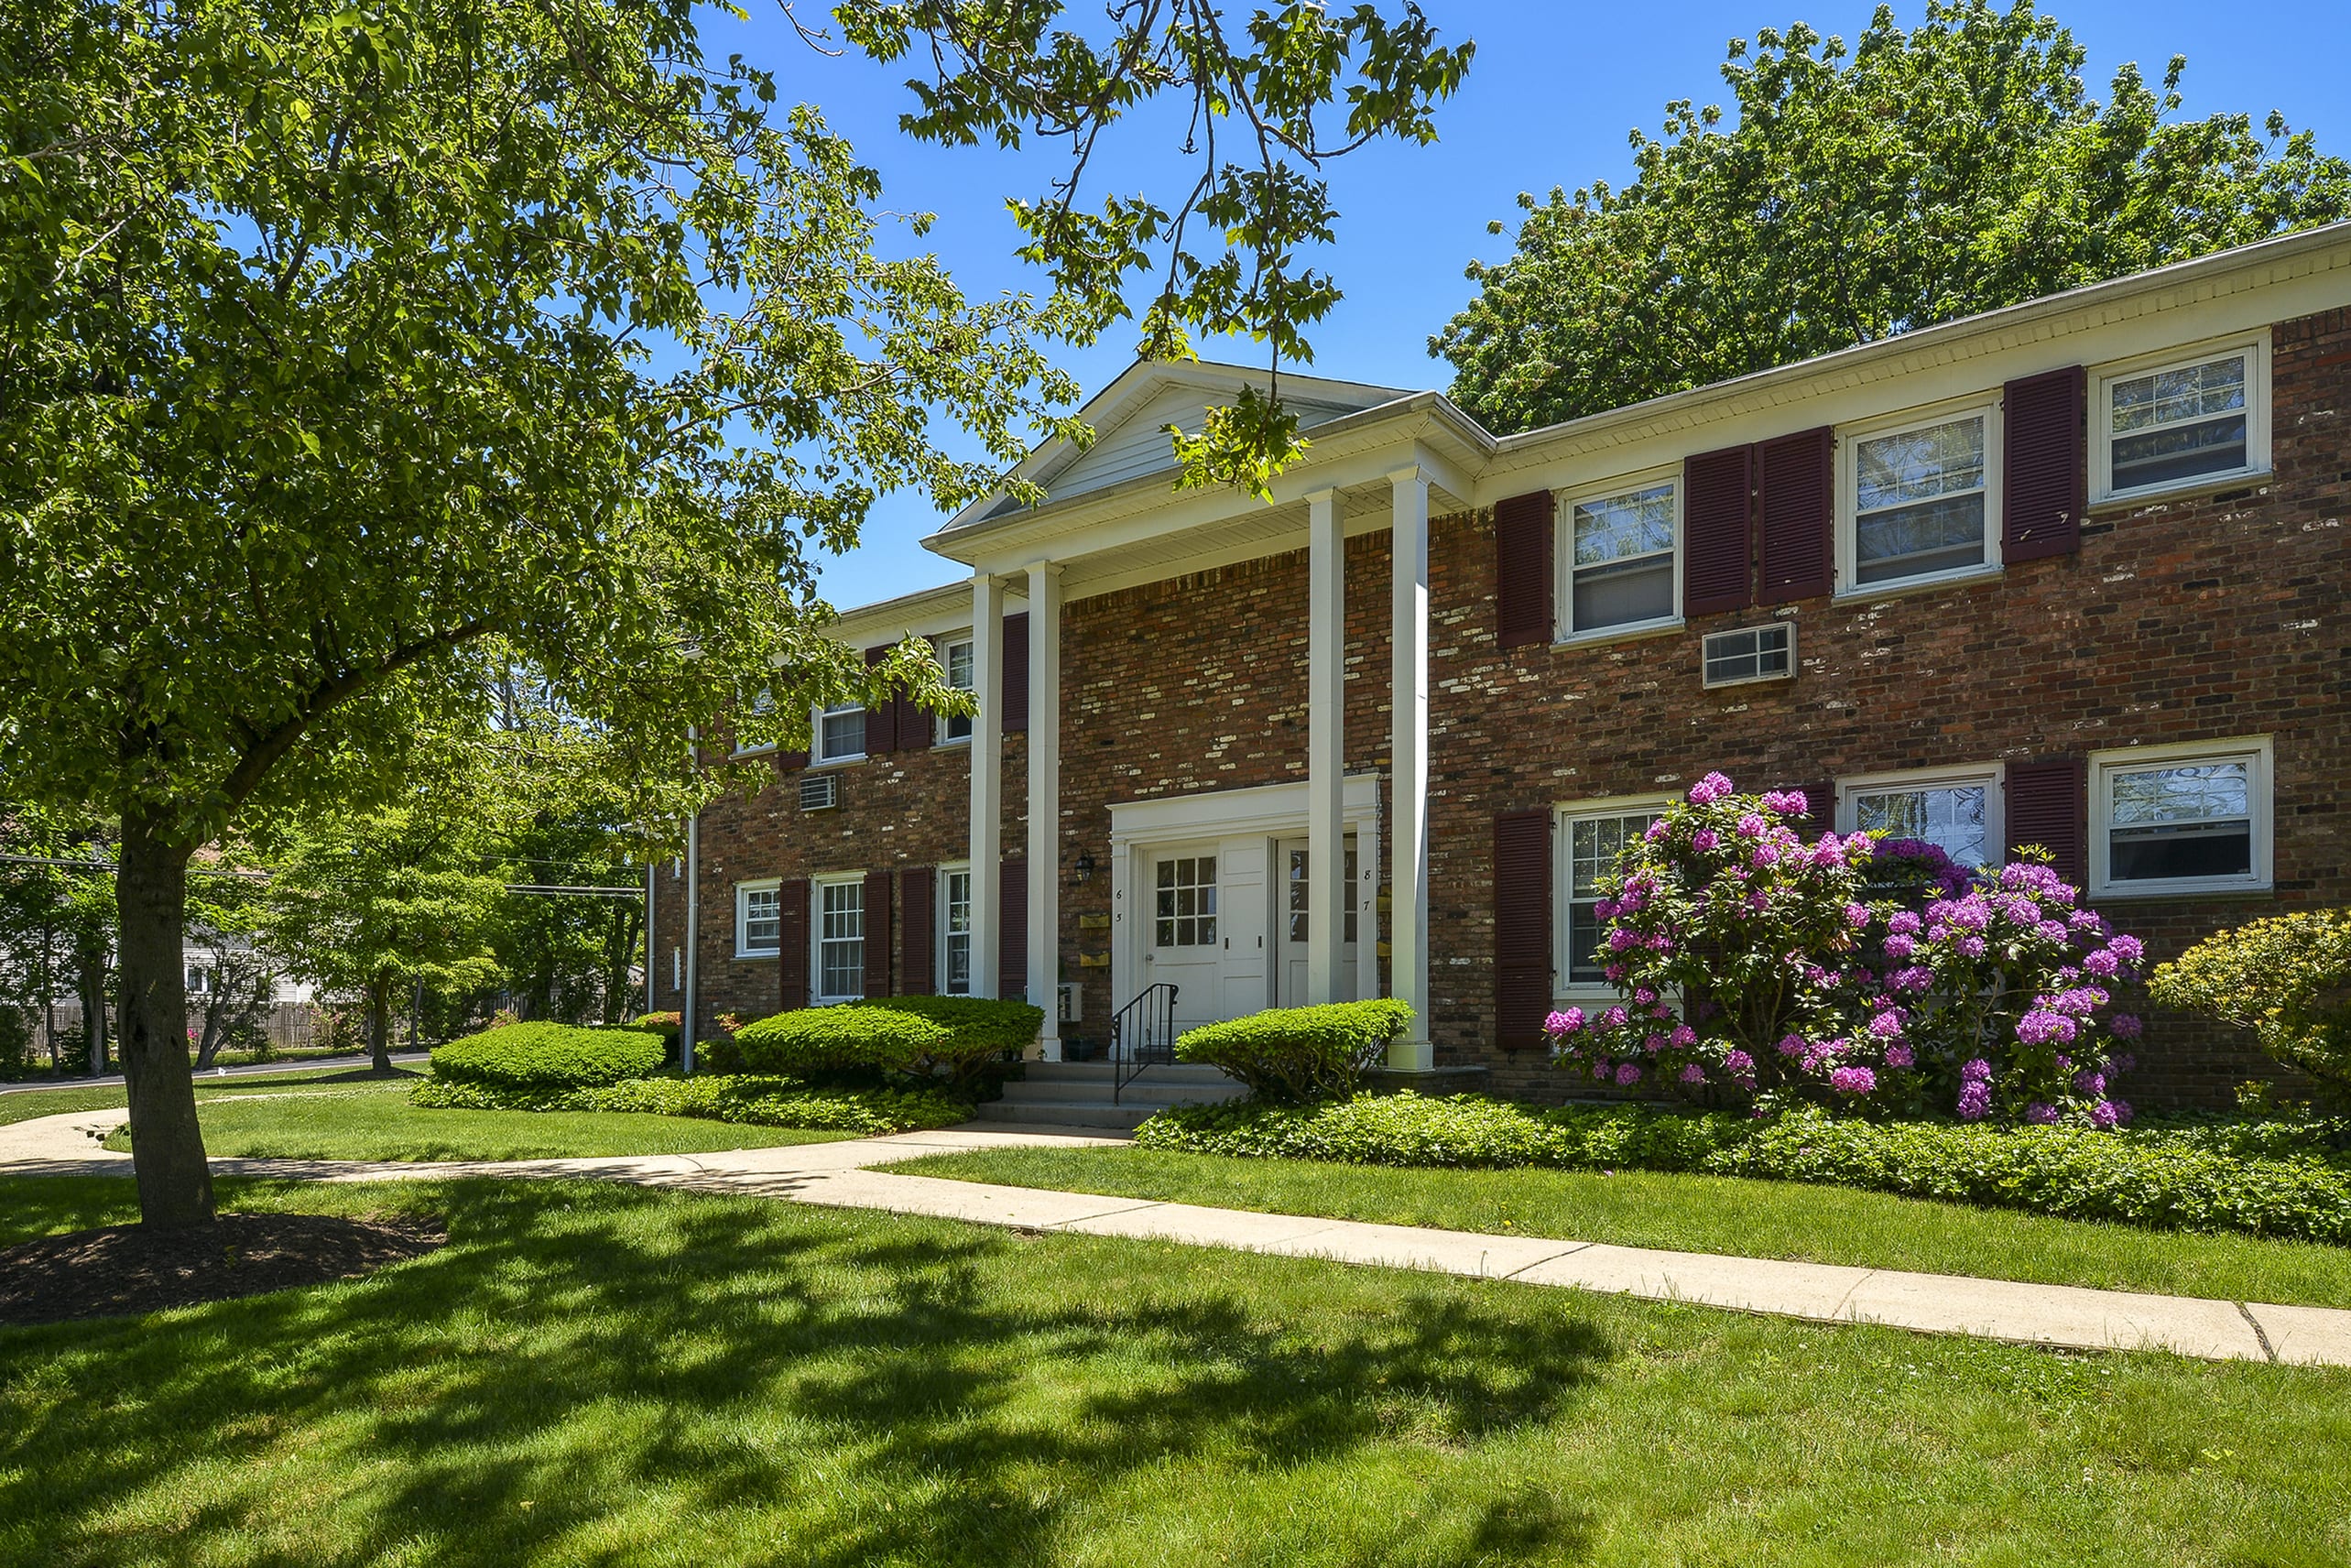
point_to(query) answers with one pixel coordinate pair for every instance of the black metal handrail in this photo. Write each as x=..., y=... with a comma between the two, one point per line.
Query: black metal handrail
x=1142, y=1033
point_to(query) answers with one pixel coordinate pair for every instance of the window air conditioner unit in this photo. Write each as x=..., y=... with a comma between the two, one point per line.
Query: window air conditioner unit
x=820, y=791
x=1751, y=653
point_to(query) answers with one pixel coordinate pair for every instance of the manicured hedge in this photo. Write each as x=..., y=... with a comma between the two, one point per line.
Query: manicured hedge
x=548, y=1056
x=749, y=1101
x=2279, y=1179
x=979, y=1031
x=1294, y=1054
x=843, y=1039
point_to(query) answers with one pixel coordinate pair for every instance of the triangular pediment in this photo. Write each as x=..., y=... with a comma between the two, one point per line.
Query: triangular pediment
x=1130, y=418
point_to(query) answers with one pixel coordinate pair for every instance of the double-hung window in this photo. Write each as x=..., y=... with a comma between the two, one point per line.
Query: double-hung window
x=1921, y=500
x=840, y=734
x=759, y=923
x=1959, y=813
x=841, y=940
x=955, y=658
x=2186, y=420
x=1619, y=556
x=2181, y=818
x=955, y=930
x=1591, y=838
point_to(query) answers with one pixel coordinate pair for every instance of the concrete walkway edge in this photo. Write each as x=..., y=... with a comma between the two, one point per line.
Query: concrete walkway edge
x=843, y=1175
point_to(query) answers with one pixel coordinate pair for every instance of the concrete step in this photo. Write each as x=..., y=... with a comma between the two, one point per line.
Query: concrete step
x=1004, y=1113
x=1100, y=1072
x=1142, y=1092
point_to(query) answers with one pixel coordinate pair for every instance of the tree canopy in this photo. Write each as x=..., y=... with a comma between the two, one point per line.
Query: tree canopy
x=1916, y=177
x=350, y=356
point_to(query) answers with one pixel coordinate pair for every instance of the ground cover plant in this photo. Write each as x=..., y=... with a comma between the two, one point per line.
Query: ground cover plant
x=2289, y=1180
x=598, y=1373
x=1736, y=1217
x=745, y=1099
x=1293, y=1054
x=364, y=1121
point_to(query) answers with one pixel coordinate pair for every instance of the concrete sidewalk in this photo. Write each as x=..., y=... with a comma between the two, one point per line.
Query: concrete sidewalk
x=845, y=1175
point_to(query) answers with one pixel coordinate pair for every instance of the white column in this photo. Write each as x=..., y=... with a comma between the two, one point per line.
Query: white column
x=1045, y=800
x=987, y=780
x=1408, y=956
x=1327, y=892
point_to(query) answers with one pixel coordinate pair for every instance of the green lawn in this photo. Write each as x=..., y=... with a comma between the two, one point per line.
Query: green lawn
x=23, y=1106
x=593, y=1374
x=1697, y=1213
x=375, y=1121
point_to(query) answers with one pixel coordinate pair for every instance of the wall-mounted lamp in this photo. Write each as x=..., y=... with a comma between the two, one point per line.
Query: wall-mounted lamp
x=1084, y=866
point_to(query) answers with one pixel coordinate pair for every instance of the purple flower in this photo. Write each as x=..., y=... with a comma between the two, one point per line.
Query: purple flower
x=1972, y=945
x=1613, y=1017
x=1655, y=831
x=2102, y=1115
x=1788, y=802
x=1974, y=1100
x=1643, y=995
x=1750, y=825
x=1902, y=922
x=1886, y=1026
x=2045, y=1026
x=2103, y=964
x=1567, y=1022
x=1709, y=789
x=2126, y=1026
x=2122, y=1111
x=1620, y=939
x=1791, y=1045
x=1654, y=1044
x=1684, y=1036
x=1692, y=1074
x=1899, y=946
x=1738, y=1063
x=1857, y=914
x=1914, y=978
x=1763, y=854
x=1614, y=972
x=1703, y=840
x=1628, y=1075
x=1600, y=1071
x=2129, y=949
x=1899, y=1055
x=1853, y=1081
x=1975, y=1070
x=2090, y=1084
x=2040, y=1114
x=2121, y=1064
x=2051, y=930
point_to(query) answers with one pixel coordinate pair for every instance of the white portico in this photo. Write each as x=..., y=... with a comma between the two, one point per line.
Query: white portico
x=1251, y=896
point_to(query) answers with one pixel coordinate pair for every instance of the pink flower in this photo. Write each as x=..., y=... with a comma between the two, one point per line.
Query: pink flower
x=1709, y=789
x=2040, y=1114
x=2129, y=949
x=1737, y=1062
x=1899, y=1055
x=2103, y=964
x=1853, y=1081
x=1643, y=995
x=1692, y=1074
x=1613, y=1017
x=1886, y=1026
x=1750, y=825
x=1655, y=831
x=1684, y=1036
x=1857, y=914
x=1704, y=840
x=1791, y=1045
x=1974, y=1100
x=1628, y=1076
x=1975, y=1070
x=1567, y=1022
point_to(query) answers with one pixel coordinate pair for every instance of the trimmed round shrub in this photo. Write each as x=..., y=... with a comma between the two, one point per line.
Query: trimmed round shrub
x=849, y=1038
x=2287, y=978
x=1295, y=1054
x=980, y=1030
x=548, y=1056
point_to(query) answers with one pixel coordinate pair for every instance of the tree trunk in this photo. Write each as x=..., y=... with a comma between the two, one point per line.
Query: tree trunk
x=167, y=1147
x=379, y=1014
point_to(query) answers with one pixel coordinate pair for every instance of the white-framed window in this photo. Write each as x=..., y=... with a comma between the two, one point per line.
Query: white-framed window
x=839, y=935
x=1183, y=909
x=1919, y=498
x=759, y=705
x=838, y=734
x=955, y=930
x=758, y=918
x=1617, y=554
x=2182, y=819
x=2180, y=419
x=955, y=659
x=1959, y=811
x=1591, y=834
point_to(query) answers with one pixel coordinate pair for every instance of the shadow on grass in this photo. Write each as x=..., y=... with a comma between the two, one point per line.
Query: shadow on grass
x=859, y=1389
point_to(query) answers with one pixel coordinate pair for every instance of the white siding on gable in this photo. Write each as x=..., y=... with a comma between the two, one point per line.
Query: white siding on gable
x=1137, y=444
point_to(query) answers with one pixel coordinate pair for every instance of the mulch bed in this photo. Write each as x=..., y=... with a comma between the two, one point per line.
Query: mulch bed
x=126, y=1269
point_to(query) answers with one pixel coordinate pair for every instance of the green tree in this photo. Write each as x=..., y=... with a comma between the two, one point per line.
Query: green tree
x=339, y=347
x=57, y=921
x=1919, y=176
x=375, y=904
x=226, y=911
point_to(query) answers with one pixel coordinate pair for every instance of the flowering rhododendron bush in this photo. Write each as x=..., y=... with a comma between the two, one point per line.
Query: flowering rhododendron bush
x=1860, y=973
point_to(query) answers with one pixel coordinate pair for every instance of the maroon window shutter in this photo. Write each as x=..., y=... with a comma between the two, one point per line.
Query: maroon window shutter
x=1715, y=507
x=1522, y=566
x=1012, y=931
x=881, y=720
x=790, y=761
x=1820, y=808
x=2045, y=477
x=1522, y=927
x=2048, y=804
x=792, y=944
x=1015, y=685
x=877, y=933
x=918, y=973
x=1795, y=482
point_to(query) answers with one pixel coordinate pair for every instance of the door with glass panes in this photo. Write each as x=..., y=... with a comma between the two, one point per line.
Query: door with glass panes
x=1188, y=934
x=1295, y=893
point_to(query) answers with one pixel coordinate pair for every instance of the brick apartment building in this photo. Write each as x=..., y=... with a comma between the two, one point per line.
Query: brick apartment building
x=2069, y=573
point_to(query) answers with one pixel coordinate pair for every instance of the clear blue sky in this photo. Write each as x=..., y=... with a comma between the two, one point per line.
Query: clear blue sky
x=1554, y=91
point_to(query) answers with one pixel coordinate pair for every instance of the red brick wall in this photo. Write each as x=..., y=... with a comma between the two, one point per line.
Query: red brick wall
x=2181, y=621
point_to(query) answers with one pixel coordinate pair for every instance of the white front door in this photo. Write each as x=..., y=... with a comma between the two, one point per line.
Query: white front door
x=1204, y=931
x=1289, y=919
